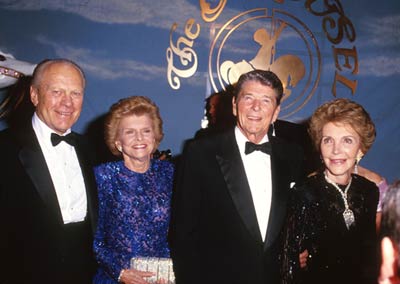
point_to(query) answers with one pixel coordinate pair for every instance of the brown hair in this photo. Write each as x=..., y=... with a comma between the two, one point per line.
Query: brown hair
x=346, y=112
x=136, y=105
x=266, y=78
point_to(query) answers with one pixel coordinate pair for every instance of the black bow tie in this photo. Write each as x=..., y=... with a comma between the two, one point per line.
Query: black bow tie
x=69, y=138
x=264, y=147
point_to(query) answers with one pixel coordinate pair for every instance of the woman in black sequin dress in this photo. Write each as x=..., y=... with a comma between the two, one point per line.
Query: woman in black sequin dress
x=332, y=214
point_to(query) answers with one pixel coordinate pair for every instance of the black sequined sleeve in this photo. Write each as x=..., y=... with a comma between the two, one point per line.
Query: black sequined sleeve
x=298, y=233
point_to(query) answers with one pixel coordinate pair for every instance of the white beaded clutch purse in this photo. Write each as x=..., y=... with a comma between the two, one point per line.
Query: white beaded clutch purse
x=162, y=267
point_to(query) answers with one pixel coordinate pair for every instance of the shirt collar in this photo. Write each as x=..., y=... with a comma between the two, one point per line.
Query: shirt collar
x=43, y=132
x=241, y=139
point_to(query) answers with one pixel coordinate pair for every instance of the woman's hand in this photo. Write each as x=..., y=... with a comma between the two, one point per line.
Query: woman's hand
x=303, y=259
x=133, y=276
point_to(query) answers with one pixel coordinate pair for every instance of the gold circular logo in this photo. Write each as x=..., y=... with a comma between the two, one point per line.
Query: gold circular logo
x=276, y=41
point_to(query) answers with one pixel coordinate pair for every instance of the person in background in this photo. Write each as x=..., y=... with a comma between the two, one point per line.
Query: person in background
x=48, y=199
x=218, y=113
x=232, y=189
x=390, y=237
x=332, y=214
x=380, y=183
x=134, y=193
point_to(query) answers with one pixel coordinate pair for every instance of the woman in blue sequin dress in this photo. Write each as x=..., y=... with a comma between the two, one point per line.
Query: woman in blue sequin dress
x=332, y=215
x=134, y=193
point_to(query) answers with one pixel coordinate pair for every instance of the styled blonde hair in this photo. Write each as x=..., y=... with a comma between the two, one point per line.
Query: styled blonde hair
x=136, y=105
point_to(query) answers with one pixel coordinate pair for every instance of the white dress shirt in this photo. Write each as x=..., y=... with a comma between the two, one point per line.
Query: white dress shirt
x=257, y=166
x=65, y=172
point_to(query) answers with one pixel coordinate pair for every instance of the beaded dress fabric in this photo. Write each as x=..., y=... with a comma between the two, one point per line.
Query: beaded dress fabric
x=315, y=222
x=134, y=214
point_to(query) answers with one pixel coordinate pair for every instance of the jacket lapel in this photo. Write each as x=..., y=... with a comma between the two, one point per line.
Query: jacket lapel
x=232, y=168
x=33, y=161
x=280, y=188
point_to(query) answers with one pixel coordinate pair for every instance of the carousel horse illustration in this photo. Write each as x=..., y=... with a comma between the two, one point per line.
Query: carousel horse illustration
x=13, y=73
x=289, y=68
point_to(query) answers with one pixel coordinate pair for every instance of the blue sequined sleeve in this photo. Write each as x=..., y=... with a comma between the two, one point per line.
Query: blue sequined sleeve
x=134, y=214
x=106, y=256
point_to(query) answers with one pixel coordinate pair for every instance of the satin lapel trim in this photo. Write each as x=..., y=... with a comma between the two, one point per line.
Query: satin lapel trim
x=232, y=168
x=33, y=161
x=280, y=190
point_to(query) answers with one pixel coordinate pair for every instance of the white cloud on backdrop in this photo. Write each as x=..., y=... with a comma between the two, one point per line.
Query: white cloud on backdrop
x=104, y=67
x=155, y=13
x=381, y=31
x=381, y=38
x=378, y=32
x=162, y=14
x=375, y=66
x=380, y=66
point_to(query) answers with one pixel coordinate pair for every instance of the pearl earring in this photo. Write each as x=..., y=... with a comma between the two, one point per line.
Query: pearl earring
x=356, y=165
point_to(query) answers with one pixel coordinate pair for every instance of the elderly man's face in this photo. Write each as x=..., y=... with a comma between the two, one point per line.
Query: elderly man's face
x=255, y=109
x=59, y=97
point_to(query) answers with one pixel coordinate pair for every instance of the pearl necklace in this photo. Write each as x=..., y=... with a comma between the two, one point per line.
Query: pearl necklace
x=348, y=214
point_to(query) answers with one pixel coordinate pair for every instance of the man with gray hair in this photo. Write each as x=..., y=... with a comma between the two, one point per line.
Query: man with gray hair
x=229, y=206
x=48, y=200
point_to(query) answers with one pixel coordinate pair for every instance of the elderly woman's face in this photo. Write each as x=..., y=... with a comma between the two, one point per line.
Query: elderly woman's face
x=340, y=146
x=136, y=137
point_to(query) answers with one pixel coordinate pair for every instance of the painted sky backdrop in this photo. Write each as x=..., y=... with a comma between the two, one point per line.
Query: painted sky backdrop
x=121, y=45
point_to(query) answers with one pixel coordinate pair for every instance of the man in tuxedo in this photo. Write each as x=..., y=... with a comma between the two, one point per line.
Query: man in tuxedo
x=48, y=200
x=232, y=188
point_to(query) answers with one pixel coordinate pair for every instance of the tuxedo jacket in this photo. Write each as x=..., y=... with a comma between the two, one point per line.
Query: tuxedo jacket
x=215, y=236
x=35, y=245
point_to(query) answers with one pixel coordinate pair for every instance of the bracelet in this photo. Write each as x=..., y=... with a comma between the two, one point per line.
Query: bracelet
x=120, y=275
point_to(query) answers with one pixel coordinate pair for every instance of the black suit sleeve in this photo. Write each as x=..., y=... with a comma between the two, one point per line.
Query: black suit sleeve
x=369, y=243
x=185, y=217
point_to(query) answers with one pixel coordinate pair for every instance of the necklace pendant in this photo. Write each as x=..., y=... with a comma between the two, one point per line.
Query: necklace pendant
x=348, y=217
